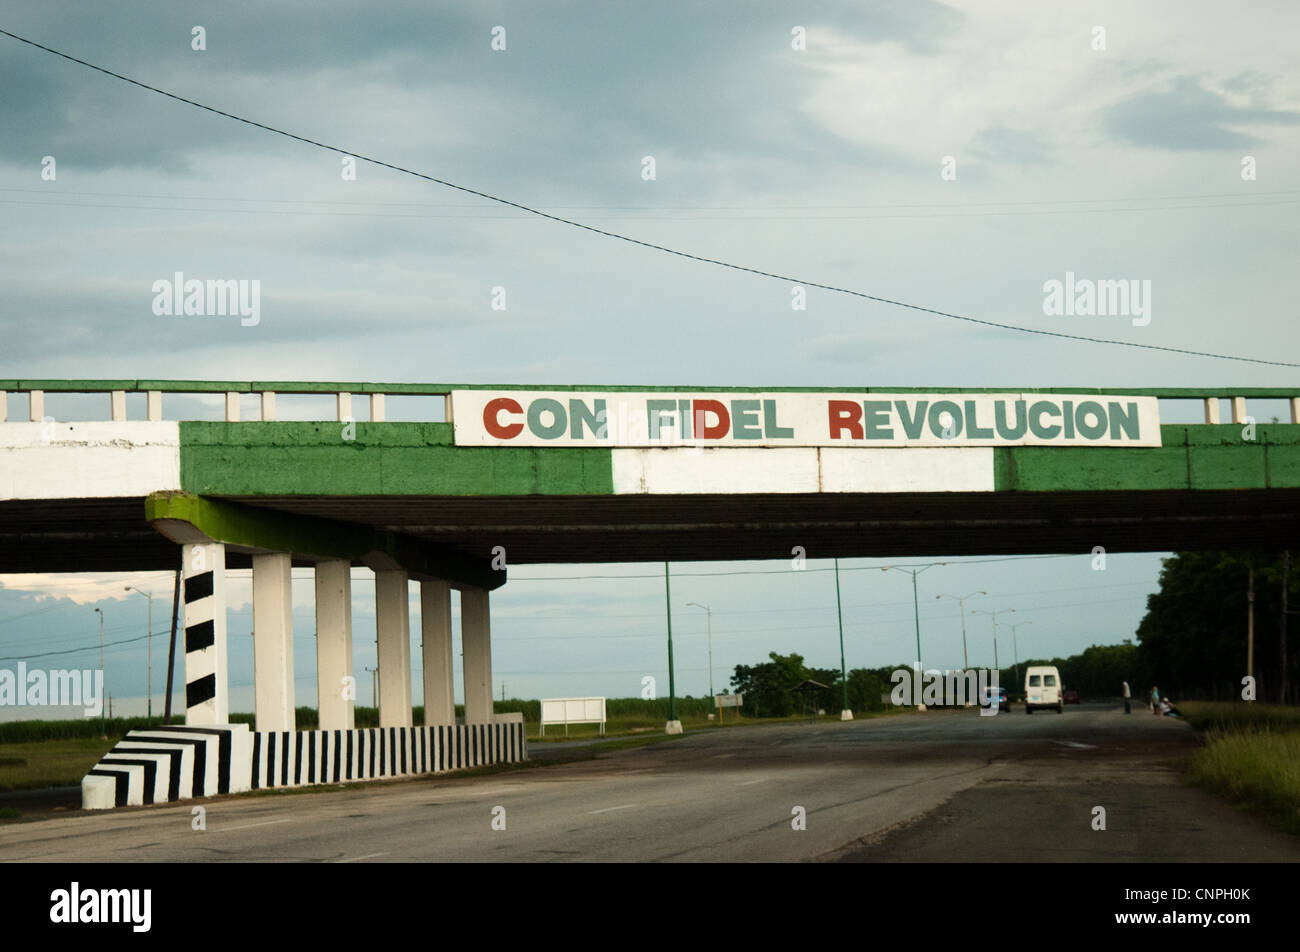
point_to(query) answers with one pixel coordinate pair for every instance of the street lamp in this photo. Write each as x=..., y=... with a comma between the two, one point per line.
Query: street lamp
x=1000, y=611
x=846, y=714
x=148, y=653
x=961, y=604
x=916, y=611
x=709, y=616
x=374, y=688
x=1015, y=650
x=103, y=734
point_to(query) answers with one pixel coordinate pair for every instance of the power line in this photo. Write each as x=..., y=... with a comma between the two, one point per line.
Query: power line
x=646, y=244
x=94, y=647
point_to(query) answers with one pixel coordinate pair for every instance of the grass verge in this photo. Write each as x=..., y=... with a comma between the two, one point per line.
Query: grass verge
x=50, y=763
x=1251, y=757
x=1255, y=769
x=1240, y=715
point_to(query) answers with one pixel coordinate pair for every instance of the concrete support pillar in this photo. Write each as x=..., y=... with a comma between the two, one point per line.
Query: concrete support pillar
x=232, y=407
x=36, y=406
x=1238, y=409
x=345, y=407
x=117, y=406
x=273, y=642
x=153, y=405
x=393, y=620
x=476, y=644
x=207, y=685
x=1211, y=409
x=4, y=406
x=1295, y=410
x=435, y=623
x=335, y=684
x=376, y=408
x=268, y=405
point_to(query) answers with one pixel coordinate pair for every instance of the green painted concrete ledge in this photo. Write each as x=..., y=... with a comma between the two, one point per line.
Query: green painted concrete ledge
x=186, y=517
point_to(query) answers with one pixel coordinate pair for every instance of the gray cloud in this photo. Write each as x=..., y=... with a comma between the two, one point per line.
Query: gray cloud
x=1189, y=117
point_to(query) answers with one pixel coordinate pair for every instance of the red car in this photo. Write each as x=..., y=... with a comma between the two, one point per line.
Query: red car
x=1070, y=697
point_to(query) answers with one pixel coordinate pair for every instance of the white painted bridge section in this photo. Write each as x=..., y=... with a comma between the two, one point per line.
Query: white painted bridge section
x=94, y=460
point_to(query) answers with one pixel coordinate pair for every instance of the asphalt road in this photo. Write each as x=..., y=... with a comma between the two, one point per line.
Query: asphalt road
x=941, y=786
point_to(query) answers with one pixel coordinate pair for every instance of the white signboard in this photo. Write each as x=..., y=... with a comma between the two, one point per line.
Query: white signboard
x=649, y=419
x=573, y=710
x=730, y=700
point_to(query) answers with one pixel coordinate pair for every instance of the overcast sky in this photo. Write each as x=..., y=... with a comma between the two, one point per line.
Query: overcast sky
x=823, y=163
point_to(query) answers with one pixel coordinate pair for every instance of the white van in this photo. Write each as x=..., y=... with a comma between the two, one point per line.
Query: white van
x=1043, y=688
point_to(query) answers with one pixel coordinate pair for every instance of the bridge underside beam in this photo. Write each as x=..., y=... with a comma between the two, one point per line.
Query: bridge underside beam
x=186, y=518
x=684, y=528
x=110, y=535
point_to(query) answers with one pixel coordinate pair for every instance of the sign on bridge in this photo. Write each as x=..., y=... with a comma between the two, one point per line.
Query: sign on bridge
x=668, y=418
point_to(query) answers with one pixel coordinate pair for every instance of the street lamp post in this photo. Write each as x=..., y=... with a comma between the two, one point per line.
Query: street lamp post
x=148, y=654
x=674, y=726
x=1015, y=649
x=103, y=734
x=961, y=604
x=994, y=615
x=709, y=617
x=916, y=612
x=845, y=712
x=374, y=688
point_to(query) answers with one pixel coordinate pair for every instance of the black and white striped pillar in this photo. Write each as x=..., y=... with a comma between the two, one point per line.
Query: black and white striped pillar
x=207, y=695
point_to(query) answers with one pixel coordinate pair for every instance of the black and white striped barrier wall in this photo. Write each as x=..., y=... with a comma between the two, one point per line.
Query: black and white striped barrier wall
x=296, y=758
x=166, y=764
x=163, y=764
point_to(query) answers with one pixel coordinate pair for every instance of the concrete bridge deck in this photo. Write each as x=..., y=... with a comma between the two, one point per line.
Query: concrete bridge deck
x=73, y=495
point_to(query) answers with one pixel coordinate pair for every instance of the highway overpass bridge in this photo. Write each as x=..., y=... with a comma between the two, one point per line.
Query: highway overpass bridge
x=493, y=476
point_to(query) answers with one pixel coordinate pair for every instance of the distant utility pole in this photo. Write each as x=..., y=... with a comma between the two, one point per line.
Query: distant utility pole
x=916, y=613
x=672, y=683
x=961, y=605
x=994, y=615
x=374, y=688
x=839, y=614
x=1015, y=649
x=171, y=648
x=103, y=734
x=148, y=655
x=709, y=617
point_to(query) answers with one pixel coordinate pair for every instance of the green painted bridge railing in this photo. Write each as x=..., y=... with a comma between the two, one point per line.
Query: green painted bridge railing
x=116, y=390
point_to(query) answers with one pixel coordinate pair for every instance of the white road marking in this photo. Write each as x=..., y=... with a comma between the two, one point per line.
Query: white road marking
x=356, y=859
x=626, y=806
x=227, y=829
x=748, y=782
x=1070, y=743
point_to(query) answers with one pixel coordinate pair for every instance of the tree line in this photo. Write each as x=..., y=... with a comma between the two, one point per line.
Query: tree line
x=1192, y=643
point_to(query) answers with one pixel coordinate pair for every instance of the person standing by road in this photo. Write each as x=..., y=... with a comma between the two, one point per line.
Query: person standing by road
x=1155, y=700
x=1127, y=696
